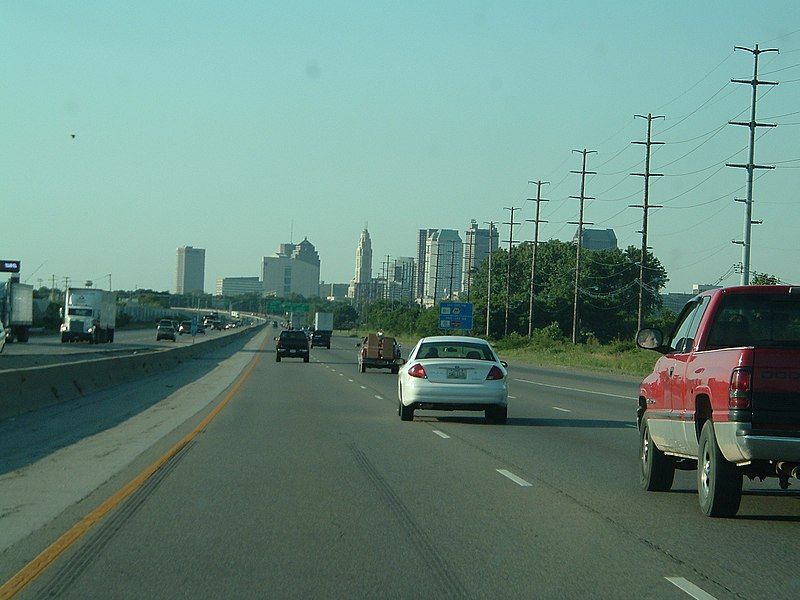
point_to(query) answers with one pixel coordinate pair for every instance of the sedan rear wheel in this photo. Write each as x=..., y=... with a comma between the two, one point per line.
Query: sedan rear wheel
x=406, y=412
x=497, y=414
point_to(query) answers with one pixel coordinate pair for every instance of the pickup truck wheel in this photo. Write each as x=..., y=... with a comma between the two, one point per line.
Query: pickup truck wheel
x=719, y=483
x=406, y=412
x=362, y=368
x=277, y=358
x=657, y=469
x=305, y=358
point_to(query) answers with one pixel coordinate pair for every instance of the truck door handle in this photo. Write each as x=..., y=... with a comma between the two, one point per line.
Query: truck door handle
x=671, y=369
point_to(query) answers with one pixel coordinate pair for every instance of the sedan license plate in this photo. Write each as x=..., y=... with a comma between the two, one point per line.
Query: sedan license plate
x=456, y=373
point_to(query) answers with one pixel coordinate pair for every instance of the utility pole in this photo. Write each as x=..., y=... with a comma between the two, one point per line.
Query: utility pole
x=750, y=166
x=469, y=269
x=489, y=279
x=583, y=197
x=511, y=241
x=535, y=222
x=452, y=265
x=646, y=207
x=436, y=275
x=386, y=278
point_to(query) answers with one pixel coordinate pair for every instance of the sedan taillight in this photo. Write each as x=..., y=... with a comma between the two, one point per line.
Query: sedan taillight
x=495, y=373
x=418, y=371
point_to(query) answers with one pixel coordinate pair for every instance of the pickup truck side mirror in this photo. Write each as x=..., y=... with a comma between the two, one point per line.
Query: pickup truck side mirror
x=651, y=339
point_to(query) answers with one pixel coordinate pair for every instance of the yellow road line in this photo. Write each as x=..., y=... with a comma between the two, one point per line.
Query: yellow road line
x=46, y=558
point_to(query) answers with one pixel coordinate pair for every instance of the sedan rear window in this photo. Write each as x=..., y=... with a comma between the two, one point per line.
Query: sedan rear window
x=457, y=350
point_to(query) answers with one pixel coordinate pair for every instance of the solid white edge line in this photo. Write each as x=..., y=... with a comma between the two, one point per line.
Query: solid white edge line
x=569, y=389
x=441, y=434
x=561, y=409
x=514, y=478
x=512, y=397
x=690, y=588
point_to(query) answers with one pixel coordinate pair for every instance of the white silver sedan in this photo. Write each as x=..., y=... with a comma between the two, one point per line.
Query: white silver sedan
x=453, y=373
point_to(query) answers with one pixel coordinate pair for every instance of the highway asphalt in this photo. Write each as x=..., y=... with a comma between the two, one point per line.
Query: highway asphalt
x=307, y=484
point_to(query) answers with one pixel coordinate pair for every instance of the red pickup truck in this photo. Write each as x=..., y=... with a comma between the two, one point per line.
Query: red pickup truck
x=724, y=398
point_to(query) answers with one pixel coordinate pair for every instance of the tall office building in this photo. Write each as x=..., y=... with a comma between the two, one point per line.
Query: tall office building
x=476, y=250
x=422, y=264
x=359, y=289
x=597, y=239
x=191, y=270
x=443, y=264
x=293, y=269
x=400, y=284
x=238, y=286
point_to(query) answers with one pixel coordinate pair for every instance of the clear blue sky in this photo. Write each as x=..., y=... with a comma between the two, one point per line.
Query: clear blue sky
x=218, y=124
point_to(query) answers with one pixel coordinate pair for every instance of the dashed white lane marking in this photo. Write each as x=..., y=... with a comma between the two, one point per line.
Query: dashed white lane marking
x=570, y=389
x=379, y=397
x=690, y=588
x=512, y=397
x=363, y=387
x=350, y=380
x=631, y=425
x=561, y=409
x=514, y=478
x=441, y=434
x=341, y=374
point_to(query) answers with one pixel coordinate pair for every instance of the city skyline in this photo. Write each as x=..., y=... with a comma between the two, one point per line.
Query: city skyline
x=403, y=116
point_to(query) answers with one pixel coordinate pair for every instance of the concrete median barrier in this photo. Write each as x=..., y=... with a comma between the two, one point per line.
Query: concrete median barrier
x=24, y=390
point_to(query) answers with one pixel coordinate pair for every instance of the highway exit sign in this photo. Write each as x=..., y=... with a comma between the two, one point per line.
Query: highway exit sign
x=455, y=315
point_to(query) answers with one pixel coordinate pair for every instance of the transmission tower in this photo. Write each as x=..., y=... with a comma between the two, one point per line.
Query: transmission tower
x=535, y=222
x=511, y=242
x=645, y=206
x=750, y=166
x=580, y=223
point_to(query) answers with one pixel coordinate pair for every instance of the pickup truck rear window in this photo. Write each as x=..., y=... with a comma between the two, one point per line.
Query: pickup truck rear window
x=756, y=320
x=293, y=335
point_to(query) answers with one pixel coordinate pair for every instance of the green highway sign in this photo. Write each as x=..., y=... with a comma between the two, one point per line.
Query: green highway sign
x=276, y=306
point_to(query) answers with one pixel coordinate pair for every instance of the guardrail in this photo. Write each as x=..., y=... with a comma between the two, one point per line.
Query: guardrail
x=27, y=389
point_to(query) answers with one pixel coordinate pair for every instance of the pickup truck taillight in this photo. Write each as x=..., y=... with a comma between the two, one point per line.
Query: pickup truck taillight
x=740, y=387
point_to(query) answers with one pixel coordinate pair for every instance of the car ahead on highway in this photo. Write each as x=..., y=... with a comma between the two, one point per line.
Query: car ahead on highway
x=453, y=373
x=186, y=327
x=292, y=343
x=166, y=330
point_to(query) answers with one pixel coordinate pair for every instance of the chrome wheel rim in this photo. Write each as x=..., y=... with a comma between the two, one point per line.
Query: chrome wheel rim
x=705, y=473
x=645, y=448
